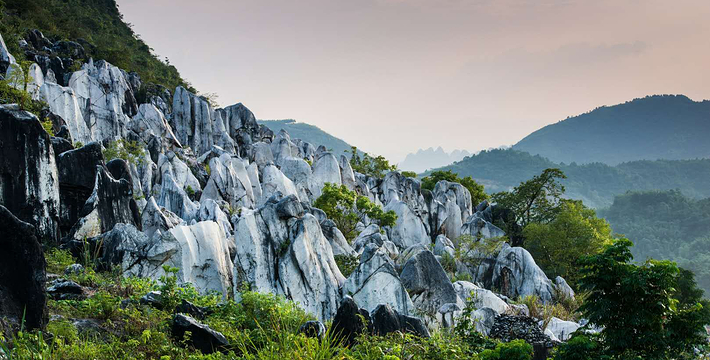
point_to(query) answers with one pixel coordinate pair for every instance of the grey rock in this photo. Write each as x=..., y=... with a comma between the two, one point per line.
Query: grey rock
x=202, y=336
x=427, y=283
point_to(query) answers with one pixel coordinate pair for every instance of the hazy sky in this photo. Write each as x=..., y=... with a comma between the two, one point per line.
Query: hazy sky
x=392, y=76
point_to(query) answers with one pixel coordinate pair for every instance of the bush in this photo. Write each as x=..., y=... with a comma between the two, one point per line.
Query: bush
x=514, y=350
x=346, y=263
x=368, y=165
x=346, y=209
x=474, y=188
x=131, y=151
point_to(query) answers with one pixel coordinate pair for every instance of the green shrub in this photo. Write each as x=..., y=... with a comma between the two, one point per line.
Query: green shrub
x=514, y=350
x=373, y=166
x=346, y=263
x=409, y=174
x=474, y=188
x=131, y=151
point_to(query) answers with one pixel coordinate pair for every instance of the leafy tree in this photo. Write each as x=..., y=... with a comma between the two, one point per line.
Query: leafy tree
x=535, y=200
x=346, y=209
x=409, y=174
x=368, y=165
x=636, y=308
x=130, y=151
x=557, y=245
x=476, y=189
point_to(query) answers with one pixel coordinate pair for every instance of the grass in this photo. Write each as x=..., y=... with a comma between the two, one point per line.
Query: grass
x=259, y=326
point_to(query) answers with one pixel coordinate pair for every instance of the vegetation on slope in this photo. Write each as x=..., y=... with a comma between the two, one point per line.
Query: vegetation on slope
x=97, y=22
x=308, y=133
x=655, y=127
x=665, y=225
x=596, y=184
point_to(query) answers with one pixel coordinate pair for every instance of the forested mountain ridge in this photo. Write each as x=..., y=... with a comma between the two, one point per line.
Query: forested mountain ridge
x=596, y=183
x=671, y=127
x=665, y=225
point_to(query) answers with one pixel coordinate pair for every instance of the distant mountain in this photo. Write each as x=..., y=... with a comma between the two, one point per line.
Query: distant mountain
x=423, y=160
x=671, y=127
x=596, y=184
x=309, y=133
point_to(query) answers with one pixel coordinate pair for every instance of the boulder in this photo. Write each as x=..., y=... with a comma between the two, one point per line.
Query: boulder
x=64, y=102
x=22, y=273
x=350, y=321
x=453, y=207
x=478, y=227
x=444, y=246
x=562, y=329
x=154, y=218
x=386, y=320
x=77, y=177
x=192, y=120
x=480, y=298
x=516, y=275
x=63, y=289
x=507, y=328
x=105, y=99
x=287, y=255
x=562, y=289
x=336, y=238
x=175, y=199
x=150, y=121
x=274, y=181
x=29, y=183
x=376, y=282
x=202, y=337
x=325, y=170
x=427, y=283
x=6, y=59
x=409, y=229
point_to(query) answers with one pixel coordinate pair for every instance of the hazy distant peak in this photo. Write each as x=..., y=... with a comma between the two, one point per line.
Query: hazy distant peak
x=431, y=158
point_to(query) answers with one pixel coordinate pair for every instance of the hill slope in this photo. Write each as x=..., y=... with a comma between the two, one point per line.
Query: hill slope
x=309, y=133
x=95, y=24
x=596, y=184
x=655, y=127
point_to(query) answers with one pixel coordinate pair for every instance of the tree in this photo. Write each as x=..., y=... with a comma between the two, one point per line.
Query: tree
x=346, y=209
x=557, y=245
x=409, y=174
x=636, y=307
x=476, y=189
x=535, y=200
x=368, y=165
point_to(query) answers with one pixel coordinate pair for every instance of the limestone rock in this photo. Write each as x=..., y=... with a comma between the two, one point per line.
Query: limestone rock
x=427, y=283
x=29, y=183
x=409, y=229
x=22, y=273
x=516, y=274
x=376, y=282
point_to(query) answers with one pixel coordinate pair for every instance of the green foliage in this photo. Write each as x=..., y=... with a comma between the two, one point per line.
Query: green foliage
x=635, y=306
x=575, y=231
x=535, y=200
x=346, y=263
x=130, y=151
x=409, y=174
x=13, y=90
x=190, y=192
x=346, y=209
x=514, y=350
x=98, y=22
x=580, y=347
x=474, y=188
x=58, y=260
x=365, y=164
x=665, y=225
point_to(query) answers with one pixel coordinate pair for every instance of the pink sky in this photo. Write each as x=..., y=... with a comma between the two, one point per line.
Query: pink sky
x=393, y=76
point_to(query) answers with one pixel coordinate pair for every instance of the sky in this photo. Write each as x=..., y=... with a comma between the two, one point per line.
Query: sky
x=393, y=76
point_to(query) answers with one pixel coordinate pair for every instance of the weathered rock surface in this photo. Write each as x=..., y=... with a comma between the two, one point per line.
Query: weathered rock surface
x=427, y=283
x=562, y=329
x=480, y=298
x=77, y=177
x=348, y=321
x=376, y=282
x=517, y=275
x=29, y=183
x=22, y=273
x=386, y=320
x=288, y=255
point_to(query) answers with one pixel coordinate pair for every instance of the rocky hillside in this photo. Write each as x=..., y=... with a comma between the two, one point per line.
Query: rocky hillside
x=656, y=127
x=168, y=185
x=430, y=158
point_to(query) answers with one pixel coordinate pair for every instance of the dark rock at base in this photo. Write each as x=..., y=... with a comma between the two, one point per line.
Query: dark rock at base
x=63, y=289
x=191, y=309
x=61, y=146
x=29, y=185
x=77, y=177
x=386, y=320
x=313, y=329
x=203, y=337
x=153, y=298
x=348, y=321
x=22, y=272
